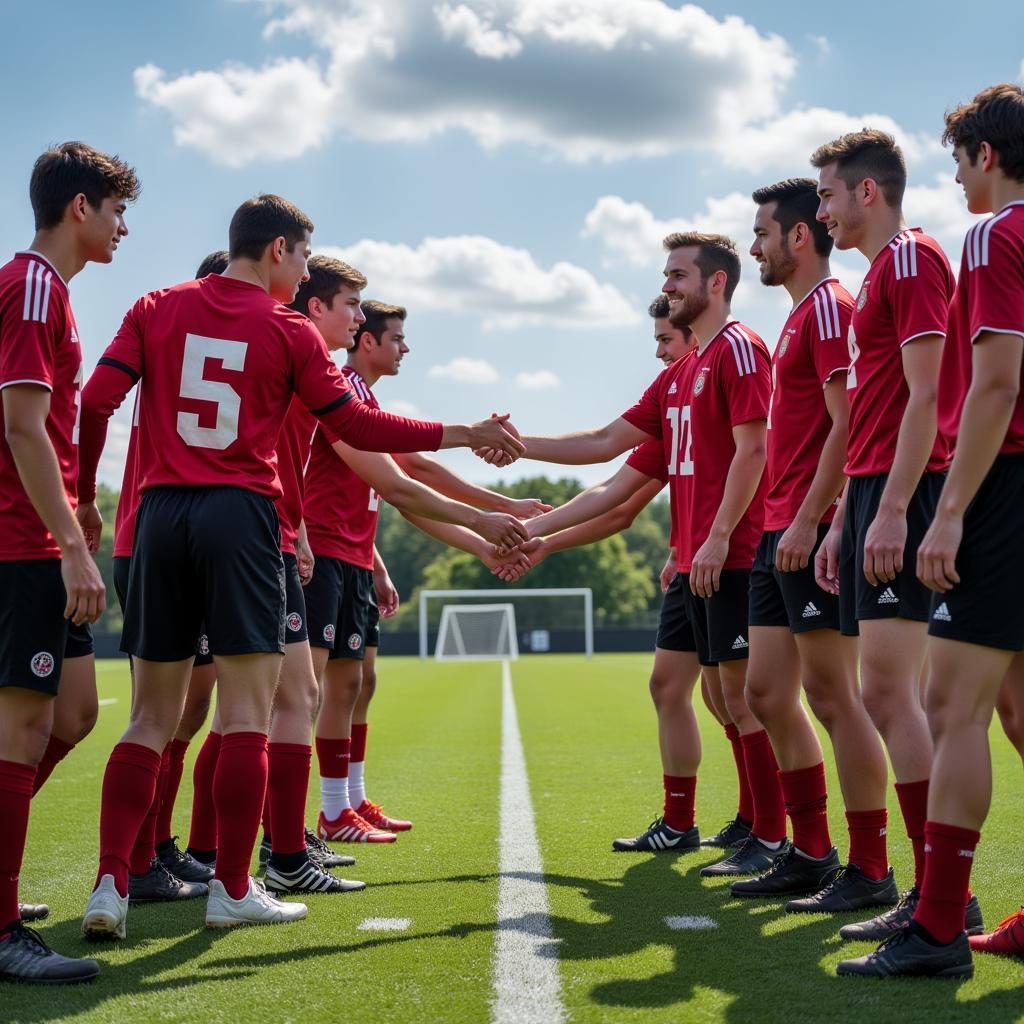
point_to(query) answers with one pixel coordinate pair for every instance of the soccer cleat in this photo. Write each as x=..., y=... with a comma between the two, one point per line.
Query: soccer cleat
x=257, y=906
x=266, y=848
x=308, y=878
x=322, y=855
x=849, y=889
x=25, y=957
x=881, y=927
x=1007, y=939
x=378, y=819
x=791, y=875
x=659, y=838
x=106, y=913
x=753, y=857
x=348, y=827
x=907, y=954
x=33, y=911
x=731, y=835
x=183, y=865
x=158, y=885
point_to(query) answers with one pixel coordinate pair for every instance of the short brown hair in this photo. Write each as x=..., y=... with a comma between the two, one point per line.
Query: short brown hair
x=995, y=116
x=71, y=168
x=869, y=153
x=377, y=314
x=659, y=308
x=796, y=202
x=258, y=221
x=716, y=252
x=215, y=263
x=326, y=278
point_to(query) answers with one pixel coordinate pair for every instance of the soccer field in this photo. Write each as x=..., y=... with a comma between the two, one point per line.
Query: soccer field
x=435, y=755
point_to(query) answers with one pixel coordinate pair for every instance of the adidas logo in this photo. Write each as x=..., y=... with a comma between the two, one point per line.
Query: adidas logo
x=672, y=388
x=942, y=613
x=739, y=643
x=888, y=597
x=810, y=611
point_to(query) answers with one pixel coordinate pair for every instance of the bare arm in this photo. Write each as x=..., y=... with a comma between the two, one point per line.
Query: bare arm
x=515, y=564
x=826, y=559
x=582, y=448
x=385, y=590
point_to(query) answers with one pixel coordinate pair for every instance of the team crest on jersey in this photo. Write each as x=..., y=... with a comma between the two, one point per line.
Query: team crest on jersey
x=74, y=336
x=294, y=622
x=42, y=664
x=329, y=632
x=355, y=641
x=863, y=297
x=784, y=344
x=204, y=644
x=698, y=384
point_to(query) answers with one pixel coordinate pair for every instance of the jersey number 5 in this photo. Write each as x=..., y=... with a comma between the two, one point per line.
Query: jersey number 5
x=682, y=441
x=194, y=385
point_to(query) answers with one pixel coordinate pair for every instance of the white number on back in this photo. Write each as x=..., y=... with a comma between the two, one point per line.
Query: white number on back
x=374, y=500
x=195, y=386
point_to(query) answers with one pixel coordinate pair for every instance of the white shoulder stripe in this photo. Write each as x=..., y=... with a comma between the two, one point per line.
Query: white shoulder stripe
x=38, y=281
x=28, y=290
x=819, y=313
x=978, y=241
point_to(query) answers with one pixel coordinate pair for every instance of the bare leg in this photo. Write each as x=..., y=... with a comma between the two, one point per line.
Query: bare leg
x=672, y=681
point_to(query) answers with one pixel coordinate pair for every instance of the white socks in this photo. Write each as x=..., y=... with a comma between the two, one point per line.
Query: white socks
x=334, y=797
x=356, y=786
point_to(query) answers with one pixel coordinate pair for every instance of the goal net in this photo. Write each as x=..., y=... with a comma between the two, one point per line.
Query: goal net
x=477, y=632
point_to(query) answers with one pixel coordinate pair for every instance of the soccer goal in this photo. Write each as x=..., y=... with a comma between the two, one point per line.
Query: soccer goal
x=540, y=620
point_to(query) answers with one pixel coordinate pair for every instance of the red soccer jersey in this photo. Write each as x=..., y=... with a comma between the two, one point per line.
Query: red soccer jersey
x=649, y=458
x=224, y=359
x=293, y=445
x=905, y=295
x=693, y=406
x=38, y=345
x=811, y=350
x=340, y=508
x=989, y=298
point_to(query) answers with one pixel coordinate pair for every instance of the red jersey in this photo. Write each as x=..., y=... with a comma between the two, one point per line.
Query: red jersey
x=38, y=345
x=649, y=458
x=225, y=359
x=693, y=406
x=905, y=295
x=811, y=350
x=341, y=508
x=293, y=444
x=989, y=297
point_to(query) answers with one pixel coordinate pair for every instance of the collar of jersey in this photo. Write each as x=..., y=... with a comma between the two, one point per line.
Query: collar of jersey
x=39, y=256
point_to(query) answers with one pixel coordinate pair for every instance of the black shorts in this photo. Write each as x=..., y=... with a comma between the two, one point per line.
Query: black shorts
x=715, y=627
x=122, y=569
x=789, y=599
x=906, y=597
x=35, y=638
x=342, y=608
x=295, y=631
x=985, y=607
x=205, y=558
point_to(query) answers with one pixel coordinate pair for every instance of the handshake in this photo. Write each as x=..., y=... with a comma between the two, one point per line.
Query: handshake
x=497, y=441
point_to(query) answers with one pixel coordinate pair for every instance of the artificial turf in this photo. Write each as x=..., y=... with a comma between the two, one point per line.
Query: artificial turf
x=434, y=755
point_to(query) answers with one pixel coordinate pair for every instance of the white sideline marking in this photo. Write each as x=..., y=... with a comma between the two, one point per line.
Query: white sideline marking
x=526, y=985
x=106, y=701
x=690, y=924
x=385, y=924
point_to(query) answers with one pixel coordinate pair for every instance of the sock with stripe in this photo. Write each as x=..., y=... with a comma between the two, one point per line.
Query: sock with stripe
x=680, y=795
x=175, y=769
x=287, y=784
x=333, y=756
x=56, y=751
x=239, y=786
x=949, y=858
x=745, y=809
x=145, y=843
x=763, y=776
x=202, y=837
x=868, y=841
x=16, y=784
x=357, y=765
x=913, y=798
x=806, y=799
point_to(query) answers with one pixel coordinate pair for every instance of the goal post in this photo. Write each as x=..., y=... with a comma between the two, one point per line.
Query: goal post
x=516, y=596
x=477, y=632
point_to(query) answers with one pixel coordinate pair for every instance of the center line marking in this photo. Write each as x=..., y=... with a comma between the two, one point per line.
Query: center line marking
x=526, y=983
x=688, y=924
x=107, y=701
x=384, y=924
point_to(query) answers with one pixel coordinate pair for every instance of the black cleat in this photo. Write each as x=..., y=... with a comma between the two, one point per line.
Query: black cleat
x=791, y=875
x=659, y=838
x=183, y=865
x=907, y=954
x=731, y=836
x=880, y=928
x=323, y=856
x=752, y=858
x=25, y=957
x=158, y=885
x=307, y=878
x=849, y=889
x=266, y=848
x=33, y=911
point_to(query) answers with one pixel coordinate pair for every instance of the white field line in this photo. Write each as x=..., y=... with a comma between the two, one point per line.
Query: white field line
x=690, y=924
x=384, y=924
x=526, y=984
x=107, y=701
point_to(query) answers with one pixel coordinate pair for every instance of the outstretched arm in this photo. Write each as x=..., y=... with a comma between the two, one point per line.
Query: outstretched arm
x=579, y=449
x=514, y=564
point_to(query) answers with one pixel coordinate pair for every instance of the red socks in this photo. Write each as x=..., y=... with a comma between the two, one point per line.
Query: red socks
x=334, y=756
x=913, y=798
x=175, y=768
x=806, y=797
x=746, y=797
x=56, y=751
x=129, y=785
x=763, y=776
x=239, y=786
x=680, y=792
x=868, y=841
x=287, y=785
x=359, y=741
x=145, y=843
x=16, y=782
x=203, y=831
x=947, y=877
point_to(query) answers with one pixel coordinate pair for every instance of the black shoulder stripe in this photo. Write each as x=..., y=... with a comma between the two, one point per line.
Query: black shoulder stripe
x=336, y=404
x=107, y=361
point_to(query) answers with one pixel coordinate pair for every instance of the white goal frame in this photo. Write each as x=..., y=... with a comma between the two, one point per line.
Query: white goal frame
x=508, y=631
x=582, y=592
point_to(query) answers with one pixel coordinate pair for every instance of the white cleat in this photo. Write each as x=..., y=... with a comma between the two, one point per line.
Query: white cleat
x=257, y=906
x=106, y=913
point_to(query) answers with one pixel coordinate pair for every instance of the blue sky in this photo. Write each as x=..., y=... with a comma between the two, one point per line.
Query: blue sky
x=505, y=168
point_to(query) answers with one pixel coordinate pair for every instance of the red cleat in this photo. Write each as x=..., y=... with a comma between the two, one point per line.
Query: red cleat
x=378, y=819
x=349, y=827
x=1007, y=939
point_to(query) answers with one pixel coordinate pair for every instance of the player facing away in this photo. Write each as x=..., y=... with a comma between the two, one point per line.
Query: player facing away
x=219, y=360
x=51, y=588
x=971, y=556
x=794, y=626
x=895, y=461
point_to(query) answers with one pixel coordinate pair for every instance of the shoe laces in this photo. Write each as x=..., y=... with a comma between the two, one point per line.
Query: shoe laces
x=656, y=824
x=362, y=824
x=779, y=863
x=31, y=938
x=898, y=937
x=314, y=842
x=157, y=865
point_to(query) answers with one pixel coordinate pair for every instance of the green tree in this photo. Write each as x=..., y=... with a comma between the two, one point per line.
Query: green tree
x=106, y=501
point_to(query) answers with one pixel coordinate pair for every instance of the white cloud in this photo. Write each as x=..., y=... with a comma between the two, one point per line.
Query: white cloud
x=823, y=46
x=539, y=380
x=401, y=408
x=464, y=370
x=476, y=274
x=941, y=210
x=475, y=32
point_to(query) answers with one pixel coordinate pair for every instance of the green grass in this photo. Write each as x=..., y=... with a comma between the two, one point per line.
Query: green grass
x=434, y=755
